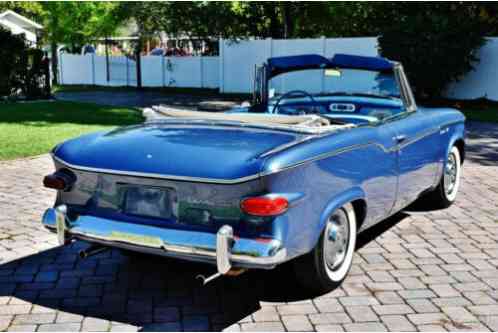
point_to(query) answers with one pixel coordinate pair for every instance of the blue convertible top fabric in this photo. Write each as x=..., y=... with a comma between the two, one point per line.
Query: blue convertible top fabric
x=279, y=65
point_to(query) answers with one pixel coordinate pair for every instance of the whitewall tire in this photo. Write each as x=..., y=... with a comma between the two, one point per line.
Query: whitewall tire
x=328, y=264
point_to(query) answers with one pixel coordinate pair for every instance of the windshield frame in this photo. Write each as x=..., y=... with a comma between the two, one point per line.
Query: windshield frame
x=261, y=87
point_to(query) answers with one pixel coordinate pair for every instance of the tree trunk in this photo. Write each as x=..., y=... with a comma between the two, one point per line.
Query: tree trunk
x=287, y=20
x=272, y=13
x=55, y=63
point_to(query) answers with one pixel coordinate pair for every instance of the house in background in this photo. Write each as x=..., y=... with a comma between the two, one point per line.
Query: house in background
x=19, y=24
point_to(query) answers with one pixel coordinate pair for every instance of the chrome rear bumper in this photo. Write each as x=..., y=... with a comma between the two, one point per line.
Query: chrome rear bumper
x=221, y=249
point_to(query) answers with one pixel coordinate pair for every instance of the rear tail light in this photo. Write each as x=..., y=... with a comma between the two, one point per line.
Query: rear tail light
x=61, y=180
x=264, y=206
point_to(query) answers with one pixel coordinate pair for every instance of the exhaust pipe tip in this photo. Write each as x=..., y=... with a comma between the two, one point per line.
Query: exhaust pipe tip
x=201, y=279
x=91, y=251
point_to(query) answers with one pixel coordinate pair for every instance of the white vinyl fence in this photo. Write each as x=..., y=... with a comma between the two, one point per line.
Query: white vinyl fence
x=483, y=80
x=239, y=59
x=233, y=70
x=194, y=72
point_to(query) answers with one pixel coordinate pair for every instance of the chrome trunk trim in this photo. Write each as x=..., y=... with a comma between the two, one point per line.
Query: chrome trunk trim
x=156, y=175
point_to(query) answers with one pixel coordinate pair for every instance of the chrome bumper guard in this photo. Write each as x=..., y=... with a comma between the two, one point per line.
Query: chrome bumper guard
x=222, y=248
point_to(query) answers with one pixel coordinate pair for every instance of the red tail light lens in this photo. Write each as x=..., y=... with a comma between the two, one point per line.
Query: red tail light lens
x=61, y=180
x=55, y=182
x=264, y=206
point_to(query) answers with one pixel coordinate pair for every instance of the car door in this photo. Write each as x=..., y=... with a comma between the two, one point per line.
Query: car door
x=417, y=140
x=379, y=165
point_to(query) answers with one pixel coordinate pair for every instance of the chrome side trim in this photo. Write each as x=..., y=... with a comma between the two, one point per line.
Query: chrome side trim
x=265, y=154
x=157, y=175
x=330, y=154
x=418, y=137
x=450, y=123
x=223, y=181
x=286, y=146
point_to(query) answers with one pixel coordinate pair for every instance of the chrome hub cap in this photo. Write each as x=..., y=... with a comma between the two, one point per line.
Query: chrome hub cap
x=450, y=174
x=336, y=241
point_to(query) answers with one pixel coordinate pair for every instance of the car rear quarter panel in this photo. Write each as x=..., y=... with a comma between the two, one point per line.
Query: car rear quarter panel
x=329, y=172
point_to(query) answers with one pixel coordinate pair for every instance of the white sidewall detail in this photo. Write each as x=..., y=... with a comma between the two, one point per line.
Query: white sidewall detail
x=451, y=196
x=338, y=274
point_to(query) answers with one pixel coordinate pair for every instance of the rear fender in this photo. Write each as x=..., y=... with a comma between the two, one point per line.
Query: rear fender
x=457, y=132
x=337, y=202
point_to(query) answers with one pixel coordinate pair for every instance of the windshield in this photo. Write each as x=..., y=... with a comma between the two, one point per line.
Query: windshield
x=341, y=95
x=336, y=82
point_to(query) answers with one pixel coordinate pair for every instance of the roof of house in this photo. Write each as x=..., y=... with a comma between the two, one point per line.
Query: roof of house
x=279, y=65
x=25, y=22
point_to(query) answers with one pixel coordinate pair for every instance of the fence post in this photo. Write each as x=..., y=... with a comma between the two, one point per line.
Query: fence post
x=201, y=66
x=163, y=74
x=139, y=64
x=93, y=69
x=221, y=64
x=107, y=69
x=127, y=72
x=60, y=69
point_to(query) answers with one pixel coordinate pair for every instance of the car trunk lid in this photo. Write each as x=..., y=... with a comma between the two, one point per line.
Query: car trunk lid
x=207, y=153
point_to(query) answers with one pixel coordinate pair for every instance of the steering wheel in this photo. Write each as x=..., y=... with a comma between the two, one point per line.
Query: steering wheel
x=294, y=93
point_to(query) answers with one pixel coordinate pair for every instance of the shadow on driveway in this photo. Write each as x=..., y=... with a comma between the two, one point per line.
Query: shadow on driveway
x=142, y=98
x=153, y=293
x=482, y=143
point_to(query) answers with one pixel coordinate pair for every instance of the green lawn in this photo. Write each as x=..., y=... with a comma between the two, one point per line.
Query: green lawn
x=166, y=91
x=489, y=114
x=28, y=129
x=478, y=109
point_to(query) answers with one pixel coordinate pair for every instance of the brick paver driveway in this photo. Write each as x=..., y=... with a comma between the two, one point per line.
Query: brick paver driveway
x=417, y=271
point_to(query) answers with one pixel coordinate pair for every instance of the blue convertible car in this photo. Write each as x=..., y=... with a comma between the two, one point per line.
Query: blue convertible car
x=328, y=148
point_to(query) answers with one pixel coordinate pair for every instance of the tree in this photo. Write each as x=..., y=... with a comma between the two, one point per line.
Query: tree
x=212, y=19
x=77, y=23
x=22, y=69
x=30, y=9
x=437, y=42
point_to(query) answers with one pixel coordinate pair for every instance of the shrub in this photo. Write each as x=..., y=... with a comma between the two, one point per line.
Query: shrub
x=22, y=69
x=437, y=42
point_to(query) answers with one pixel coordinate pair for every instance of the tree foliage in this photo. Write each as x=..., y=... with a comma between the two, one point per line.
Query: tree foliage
x=30, y=9
x=238, y=19
x=77, y=23
x=437, y=43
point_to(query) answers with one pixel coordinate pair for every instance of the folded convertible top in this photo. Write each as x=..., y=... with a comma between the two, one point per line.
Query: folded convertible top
x=252, y=118
x=306, y=124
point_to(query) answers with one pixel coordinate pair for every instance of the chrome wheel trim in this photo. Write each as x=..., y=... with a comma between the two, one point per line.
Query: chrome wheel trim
x=452, y=171
x=338, y=251
x=336, y=240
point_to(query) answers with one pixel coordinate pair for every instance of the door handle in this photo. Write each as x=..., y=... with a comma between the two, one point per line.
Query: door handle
x=399, y=138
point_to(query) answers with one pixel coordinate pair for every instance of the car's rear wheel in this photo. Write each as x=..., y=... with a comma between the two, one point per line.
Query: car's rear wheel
x=445, y=193
x=327, y=265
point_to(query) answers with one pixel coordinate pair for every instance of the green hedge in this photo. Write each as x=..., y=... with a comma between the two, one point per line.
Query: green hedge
x=23, y=70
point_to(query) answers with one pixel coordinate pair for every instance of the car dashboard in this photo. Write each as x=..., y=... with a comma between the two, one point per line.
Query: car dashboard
x=347, y=109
